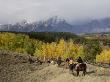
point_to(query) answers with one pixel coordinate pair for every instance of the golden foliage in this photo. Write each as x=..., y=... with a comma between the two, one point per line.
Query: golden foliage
x=104, y=57
x=62, y=48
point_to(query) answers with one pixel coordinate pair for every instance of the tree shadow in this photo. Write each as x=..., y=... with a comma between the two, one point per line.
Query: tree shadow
x=90, y=72
x=103, y=75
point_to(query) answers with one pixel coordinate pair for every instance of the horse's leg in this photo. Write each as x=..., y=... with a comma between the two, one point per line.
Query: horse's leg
x=84, y=72
x=77, y=72
x=58, y=65
x=70, y=69
x=66, y=65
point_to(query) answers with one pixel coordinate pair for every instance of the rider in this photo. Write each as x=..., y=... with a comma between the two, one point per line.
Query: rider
x=67, y=59
x=71, y=63
x=79, y=60
x=48, y=61
x=59, y=61
x=67, y=62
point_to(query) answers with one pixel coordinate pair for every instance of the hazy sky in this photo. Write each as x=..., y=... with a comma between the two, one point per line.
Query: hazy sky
x=72, y=10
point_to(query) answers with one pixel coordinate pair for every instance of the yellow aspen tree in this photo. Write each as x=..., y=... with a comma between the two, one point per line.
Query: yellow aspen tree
x=104, y=57
x=60, y=48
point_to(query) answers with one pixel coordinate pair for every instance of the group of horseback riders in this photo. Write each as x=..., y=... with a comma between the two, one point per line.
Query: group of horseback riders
x=69, y=61
x=79, y=65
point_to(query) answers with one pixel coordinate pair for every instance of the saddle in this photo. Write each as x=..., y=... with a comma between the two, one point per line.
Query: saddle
x=77, y=65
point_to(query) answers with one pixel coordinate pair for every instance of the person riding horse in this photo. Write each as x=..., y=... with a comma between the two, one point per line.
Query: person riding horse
x=67, y=63
x=81, y=66
x=79, y=60
x=59, y=61
x=71, y=64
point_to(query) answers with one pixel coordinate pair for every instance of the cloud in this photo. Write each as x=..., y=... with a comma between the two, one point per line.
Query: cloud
x=17, y=10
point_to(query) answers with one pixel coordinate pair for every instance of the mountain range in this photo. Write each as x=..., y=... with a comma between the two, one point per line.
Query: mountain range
x=55, y=24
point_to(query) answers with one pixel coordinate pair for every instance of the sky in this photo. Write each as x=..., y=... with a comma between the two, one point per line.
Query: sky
x=12, y=11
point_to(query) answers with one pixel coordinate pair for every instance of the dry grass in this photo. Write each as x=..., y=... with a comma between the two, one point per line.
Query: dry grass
x=13, y=69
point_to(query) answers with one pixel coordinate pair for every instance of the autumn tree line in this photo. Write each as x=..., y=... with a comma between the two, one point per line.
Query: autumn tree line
x=53, y=45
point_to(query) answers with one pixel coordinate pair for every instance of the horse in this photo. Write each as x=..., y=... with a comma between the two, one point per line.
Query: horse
x=59, y=62
x=81, y=67
x=78, y=68
x=72, y=67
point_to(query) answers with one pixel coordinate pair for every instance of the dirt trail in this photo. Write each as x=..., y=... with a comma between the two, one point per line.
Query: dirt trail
x=54, y=74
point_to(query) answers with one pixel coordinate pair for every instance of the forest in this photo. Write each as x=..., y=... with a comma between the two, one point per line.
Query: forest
x=52, y=45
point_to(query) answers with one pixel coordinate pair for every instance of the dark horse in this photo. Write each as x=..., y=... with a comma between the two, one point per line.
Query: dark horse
x=59, y=61
x=78, y=68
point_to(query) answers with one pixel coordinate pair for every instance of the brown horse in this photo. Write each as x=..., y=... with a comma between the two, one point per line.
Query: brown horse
x=59, y=62
x=81, y=67
x=78, y=68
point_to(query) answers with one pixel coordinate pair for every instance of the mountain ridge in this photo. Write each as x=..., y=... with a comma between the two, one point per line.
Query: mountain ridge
x=55, y=24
